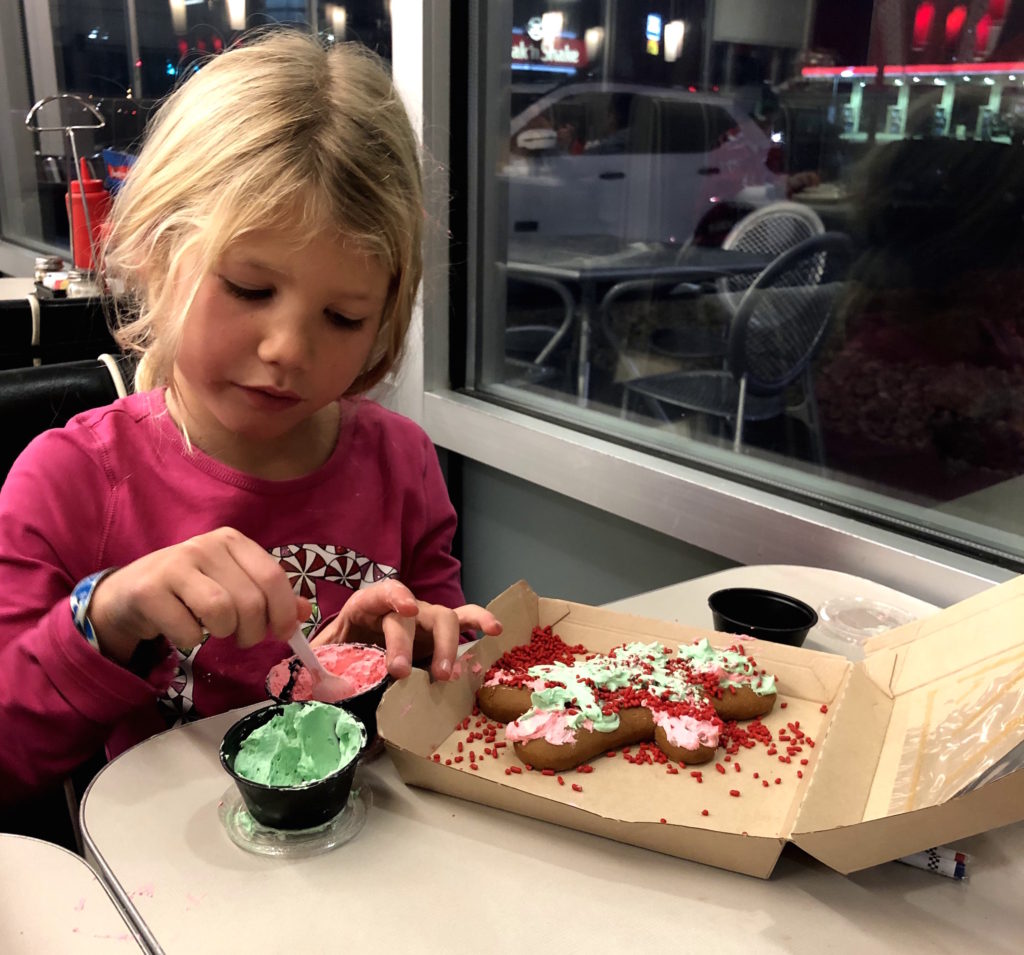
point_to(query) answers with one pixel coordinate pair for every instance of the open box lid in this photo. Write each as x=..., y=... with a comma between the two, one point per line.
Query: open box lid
x=936, y=707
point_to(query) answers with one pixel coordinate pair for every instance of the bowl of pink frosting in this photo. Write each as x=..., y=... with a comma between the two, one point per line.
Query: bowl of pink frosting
x=363, y=665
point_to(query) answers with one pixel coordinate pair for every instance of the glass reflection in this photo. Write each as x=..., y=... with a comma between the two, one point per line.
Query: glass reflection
x=661, y=157
x=125, y=56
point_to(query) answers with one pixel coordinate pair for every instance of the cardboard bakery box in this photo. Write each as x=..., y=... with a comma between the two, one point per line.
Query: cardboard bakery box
x=887, y=761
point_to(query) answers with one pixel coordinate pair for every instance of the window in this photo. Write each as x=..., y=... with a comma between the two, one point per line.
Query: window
x=623, y=212
x=121, y=57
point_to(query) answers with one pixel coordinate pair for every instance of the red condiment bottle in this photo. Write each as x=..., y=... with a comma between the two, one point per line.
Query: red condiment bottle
x=97, y=201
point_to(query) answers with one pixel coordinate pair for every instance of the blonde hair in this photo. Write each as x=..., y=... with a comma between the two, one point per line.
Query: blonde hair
x=281, y=132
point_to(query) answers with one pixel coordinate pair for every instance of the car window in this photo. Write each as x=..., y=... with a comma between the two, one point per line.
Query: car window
x=589, y=122
x=575, y=121
x=681, y=126
x=721, y=125
x=582, y=112
x=610, y=117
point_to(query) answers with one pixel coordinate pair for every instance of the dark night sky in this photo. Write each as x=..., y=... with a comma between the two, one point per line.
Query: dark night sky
x=843, y=27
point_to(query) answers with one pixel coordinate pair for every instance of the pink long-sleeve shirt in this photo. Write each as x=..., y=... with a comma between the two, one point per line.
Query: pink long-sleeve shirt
x=118, y=483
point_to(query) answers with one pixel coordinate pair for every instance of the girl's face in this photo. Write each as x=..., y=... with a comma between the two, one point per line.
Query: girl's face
x=276, y=333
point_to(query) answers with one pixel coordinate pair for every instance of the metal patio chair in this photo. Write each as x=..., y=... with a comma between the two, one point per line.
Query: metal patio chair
x=780, y=325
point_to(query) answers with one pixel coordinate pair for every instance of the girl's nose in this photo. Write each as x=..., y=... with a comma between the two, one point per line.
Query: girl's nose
x=286, y=339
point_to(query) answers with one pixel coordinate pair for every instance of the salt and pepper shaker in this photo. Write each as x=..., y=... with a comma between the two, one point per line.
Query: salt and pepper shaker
x=45, y=264
x=83, y=284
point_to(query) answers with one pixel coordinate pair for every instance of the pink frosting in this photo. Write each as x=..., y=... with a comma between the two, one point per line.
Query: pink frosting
x=687, y=732
x=364, y=665
x=502, y=678
x=537, y=724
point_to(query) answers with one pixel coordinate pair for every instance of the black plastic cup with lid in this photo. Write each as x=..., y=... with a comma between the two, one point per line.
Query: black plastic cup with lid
x=362, y=705
x=286, y=807
x=764, y=614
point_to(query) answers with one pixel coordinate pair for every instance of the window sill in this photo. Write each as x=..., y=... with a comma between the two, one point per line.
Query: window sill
x=741, y=523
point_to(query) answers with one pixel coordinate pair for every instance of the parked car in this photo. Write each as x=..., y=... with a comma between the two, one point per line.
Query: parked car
x=638, y=162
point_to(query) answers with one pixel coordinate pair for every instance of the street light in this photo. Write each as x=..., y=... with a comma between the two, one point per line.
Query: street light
x=675, y=30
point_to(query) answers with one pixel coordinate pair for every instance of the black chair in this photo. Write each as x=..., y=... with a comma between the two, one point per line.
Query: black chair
x=780, y=325
x=537, y=353
x=534, y=355
x=702, y=333
x=41, y=330
x=72, y=329
x=33, y=400
x=40, y=397
x=20, y=326
x=771, y=231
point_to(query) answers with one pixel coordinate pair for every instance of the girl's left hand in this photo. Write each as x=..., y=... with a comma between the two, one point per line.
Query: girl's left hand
x=409, y=627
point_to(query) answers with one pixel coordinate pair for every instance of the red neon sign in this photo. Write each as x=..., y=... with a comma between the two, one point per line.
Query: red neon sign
x=830, y=71
x=955, y=22
x=914, y=69
x=924, y=16
x=981, y=33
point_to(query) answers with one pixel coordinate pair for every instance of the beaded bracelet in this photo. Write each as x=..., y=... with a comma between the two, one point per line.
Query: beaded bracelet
x=81, y=597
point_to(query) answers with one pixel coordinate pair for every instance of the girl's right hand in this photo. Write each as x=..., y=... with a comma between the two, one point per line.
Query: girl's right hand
x=220, y=581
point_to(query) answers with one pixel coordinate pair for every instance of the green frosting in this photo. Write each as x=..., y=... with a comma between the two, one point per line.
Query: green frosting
x=705, y=657
x=607, y=673
x=305, y=742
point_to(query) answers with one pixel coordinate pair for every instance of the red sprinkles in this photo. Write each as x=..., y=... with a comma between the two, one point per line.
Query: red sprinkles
x=787, y=743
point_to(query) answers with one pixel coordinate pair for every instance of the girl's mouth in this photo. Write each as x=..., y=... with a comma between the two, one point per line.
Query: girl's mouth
x=271, y=399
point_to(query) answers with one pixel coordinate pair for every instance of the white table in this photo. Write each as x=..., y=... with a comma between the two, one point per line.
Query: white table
x=602, y=261
x=14, y=289
x=430, y=873
x=51, y=901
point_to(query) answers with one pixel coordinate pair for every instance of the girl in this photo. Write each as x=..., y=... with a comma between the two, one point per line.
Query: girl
x=268, y=239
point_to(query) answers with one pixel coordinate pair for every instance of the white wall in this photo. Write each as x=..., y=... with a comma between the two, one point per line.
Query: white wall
x=512, y=529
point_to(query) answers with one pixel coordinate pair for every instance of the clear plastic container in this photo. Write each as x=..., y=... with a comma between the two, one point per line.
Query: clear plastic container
x=856, y=619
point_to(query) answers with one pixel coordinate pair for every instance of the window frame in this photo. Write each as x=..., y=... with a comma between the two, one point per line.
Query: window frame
x=729, y=518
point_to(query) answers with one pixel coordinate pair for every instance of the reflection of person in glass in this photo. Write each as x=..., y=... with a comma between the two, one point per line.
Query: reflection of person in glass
x=568, y=139
x=616, y=128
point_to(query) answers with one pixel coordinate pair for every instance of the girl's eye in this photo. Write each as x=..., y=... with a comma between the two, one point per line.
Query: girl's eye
x=248, y=294
x=343, y=321
x=259, y=294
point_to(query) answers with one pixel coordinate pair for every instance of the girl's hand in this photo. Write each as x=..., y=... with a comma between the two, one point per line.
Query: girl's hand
x=409, y=627
x=220, y=581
